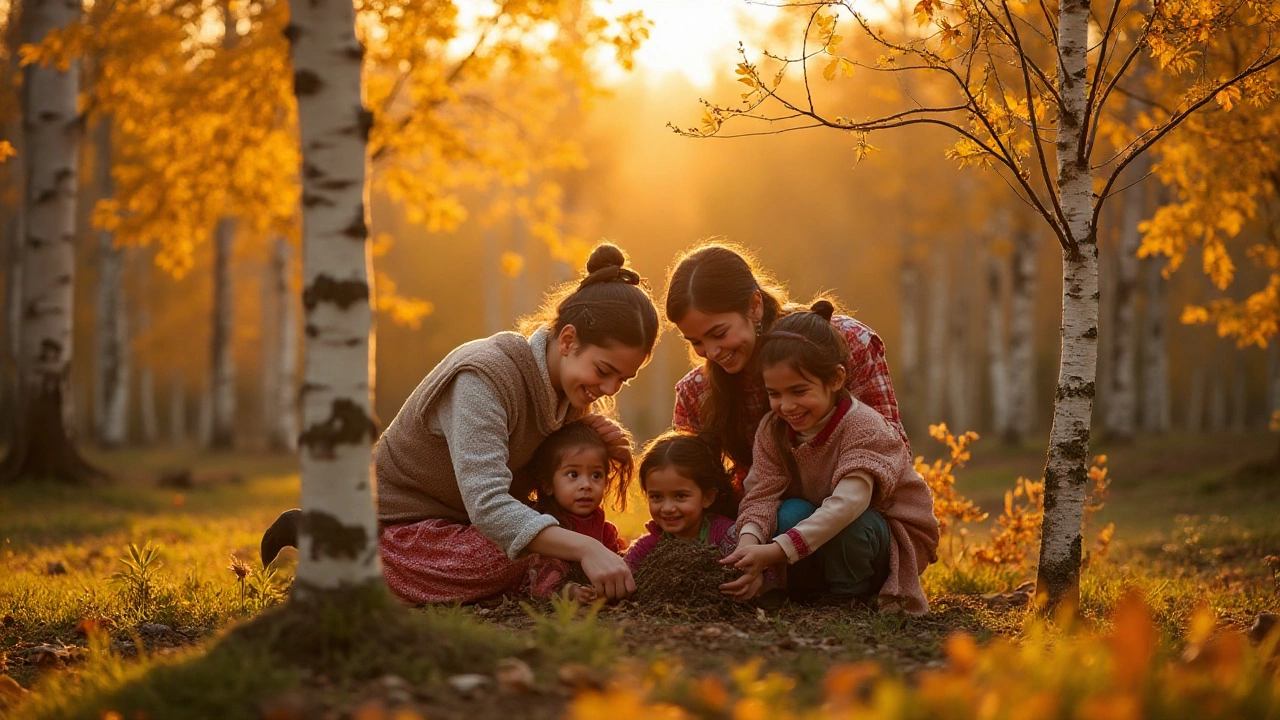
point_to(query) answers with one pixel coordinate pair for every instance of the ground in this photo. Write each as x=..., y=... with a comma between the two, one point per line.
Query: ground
x=88, y=632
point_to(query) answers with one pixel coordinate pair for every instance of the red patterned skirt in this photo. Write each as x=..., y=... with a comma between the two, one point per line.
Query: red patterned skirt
x=441, y=561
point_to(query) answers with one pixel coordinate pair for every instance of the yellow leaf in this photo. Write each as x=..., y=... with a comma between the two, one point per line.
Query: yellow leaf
x=512, y=264
x=6, y=151
x=829, y=72
x=1227, y=97
x=846, y=67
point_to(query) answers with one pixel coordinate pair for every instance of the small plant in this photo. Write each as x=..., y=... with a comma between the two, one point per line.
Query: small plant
x=952, y=509
x=264, y=588
x=138, y=578
x=572, y=634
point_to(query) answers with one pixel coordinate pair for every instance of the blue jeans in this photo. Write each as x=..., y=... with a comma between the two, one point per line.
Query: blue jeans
x=854, y=562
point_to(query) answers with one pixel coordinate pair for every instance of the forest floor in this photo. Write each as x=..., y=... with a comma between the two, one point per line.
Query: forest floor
x=83, y=632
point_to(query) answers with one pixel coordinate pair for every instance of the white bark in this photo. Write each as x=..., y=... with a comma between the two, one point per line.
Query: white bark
x=204, y=417
x=146, y=374
x=935, y=362
x=177, y=409
x=1122, y=401
x=112, y=357
x=959, y=397
x=997, y=348
x=338, y=539
x=269, y=364
x=1065, y=470
x=1022, y=293
x=1156, y=409
x=222, y=362
x=51, y=138
x=285, y=412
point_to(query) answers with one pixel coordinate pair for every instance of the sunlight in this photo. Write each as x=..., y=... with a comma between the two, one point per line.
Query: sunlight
x=694, y=38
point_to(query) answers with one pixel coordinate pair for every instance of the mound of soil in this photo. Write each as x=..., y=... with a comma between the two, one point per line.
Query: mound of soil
x=682, y=578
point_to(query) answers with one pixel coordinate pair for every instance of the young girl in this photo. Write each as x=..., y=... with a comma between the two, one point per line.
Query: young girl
x=689, y=493
x=722, y=302
x=570, y=475
x=450, y=529
x=855, y=514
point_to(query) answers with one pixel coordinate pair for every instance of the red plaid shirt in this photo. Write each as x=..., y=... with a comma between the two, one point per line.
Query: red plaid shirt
x=868, y=381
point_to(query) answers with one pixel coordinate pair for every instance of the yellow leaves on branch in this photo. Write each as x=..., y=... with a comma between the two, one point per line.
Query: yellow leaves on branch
x=511, y=264
x=1252, y=321
x=6, y=151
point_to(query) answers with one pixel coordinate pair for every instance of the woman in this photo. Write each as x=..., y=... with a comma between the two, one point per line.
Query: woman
x=722, y=303
x=450, y=529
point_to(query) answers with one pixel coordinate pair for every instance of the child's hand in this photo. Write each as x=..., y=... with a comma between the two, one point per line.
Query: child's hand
x=743, y=588
x=753, y=559
x=580, y=594
x=615, y=438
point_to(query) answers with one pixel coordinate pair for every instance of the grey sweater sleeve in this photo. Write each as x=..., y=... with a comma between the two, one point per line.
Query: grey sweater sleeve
x=470, y=415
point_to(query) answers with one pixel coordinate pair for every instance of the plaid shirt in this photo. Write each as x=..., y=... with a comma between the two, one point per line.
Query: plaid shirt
x=868, y=381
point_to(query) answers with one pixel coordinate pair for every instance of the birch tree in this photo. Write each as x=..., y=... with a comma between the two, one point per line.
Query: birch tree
x=1030, y=97
x=42, y=446
x=337, y=543
x=112, y=364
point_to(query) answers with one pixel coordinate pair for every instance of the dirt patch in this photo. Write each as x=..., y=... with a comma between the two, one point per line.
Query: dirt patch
x=682, y=578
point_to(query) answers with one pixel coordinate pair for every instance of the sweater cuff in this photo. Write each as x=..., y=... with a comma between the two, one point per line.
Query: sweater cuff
x=528, y=533
x=752, y=529
x=794, y=545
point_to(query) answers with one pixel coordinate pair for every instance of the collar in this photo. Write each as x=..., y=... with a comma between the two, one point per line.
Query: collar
x=843, y=405
x=538, y=343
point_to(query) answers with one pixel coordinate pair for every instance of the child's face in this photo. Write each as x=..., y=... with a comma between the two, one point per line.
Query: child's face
x=579, y=482
x=799, y=399
x=676, y=502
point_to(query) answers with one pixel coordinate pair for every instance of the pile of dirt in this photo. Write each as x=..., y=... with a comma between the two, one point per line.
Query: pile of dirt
x=682, y=578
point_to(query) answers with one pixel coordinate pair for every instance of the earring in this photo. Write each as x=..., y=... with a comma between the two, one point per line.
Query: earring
x=758, y=327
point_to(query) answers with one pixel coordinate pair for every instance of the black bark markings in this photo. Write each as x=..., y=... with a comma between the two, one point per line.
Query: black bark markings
x=343, y=293
x=347, y=424
x=331, y=538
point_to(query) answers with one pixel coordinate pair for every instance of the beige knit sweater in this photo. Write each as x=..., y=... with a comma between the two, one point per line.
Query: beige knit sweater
x=859, y=441
x=471, y=423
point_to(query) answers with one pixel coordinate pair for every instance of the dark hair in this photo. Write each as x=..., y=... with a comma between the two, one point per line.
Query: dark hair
x=697, y=457
x=808, y=344
x=609, y=304
x=547, y=458
x=719, y=277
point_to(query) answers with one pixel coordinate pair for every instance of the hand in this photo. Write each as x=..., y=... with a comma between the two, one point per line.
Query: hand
x=609, y=575
x=753, y=558
x=580, y=594
x=615, y=438
x=743, y=588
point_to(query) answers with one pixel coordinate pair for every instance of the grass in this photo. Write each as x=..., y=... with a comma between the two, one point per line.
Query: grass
x=1191, y=530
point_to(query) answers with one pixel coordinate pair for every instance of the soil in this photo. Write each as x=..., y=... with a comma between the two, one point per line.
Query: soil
x=682, y=579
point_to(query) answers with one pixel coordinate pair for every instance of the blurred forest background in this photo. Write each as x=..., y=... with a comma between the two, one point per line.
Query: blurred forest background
x=187, y=281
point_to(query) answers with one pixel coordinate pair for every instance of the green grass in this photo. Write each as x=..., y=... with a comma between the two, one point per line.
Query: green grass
x=1191, y=529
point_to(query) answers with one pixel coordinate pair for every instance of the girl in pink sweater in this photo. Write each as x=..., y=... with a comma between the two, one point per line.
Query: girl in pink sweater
x=833, y=491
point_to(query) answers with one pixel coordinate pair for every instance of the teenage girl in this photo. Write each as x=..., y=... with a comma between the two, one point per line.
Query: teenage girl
x=833, y=490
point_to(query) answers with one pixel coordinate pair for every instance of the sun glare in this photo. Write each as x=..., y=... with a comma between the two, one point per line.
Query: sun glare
x=694, y=38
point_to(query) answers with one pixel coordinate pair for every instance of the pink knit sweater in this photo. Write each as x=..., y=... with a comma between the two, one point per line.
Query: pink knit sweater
x=857, y=438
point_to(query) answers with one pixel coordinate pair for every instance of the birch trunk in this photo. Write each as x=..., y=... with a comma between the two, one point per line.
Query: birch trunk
x=337, y=542
x=909, y=352
x=936, y=349
x=1217, y=395
x=1273, y=385
x=285, y=426
x=1240, y=393
x=10, y=392
x=997, y=362
x=112, y=356
x=1122, y=405
x=269, y=362
x=222, y=363
x=959, y=401
x=1066, y=472
x=146, y=374
x=43, y=447
x=177, y=409
x=1021, y=370
x=1156, y=408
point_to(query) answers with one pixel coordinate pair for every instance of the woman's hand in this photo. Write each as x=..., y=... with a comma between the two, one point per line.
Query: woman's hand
x=609, y=575
x=744, y=588
x=754, y=558
x=615, y=438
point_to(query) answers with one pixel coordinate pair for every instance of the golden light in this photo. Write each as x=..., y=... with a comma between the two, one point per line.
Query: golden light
x=695, y=38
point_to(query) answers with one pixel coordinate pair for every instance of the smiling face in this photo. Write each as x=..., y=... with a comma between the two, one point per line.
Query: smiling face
x=579, y=482
x=676, y=502
x=727, y=339
x=586, y=373
x=800, y=399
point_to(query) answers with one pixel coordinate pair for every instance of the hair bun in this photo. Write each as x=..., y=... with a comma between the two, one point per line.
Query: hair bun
x=824, y=308
x=604, y=256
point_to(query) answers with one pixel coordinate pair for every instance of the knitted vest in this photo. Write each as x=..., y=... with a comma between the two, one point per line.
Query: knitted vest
x=412, y=463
